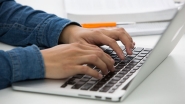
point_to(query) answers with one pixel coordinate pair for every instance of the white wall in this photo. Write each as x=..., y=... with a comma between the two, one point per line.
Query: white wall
x=49, y=6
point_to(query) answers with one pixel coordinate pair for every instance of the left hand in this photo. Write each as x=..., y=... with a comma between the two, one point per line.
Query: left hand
x=74, y=33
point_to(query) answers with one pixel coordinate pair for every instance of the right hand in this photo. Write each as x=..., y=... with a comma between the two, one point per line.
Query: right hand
x=66, y=60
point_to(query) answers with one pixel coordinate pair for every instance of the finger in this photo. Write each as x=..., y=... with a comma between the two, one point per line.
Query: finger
x=114, y=45
x=87, y=46
x=108, y=37
x=123, y=36
x=112, y=62
x=82, y=69
x=126, y=40
x=103, y=63
x=105, y=58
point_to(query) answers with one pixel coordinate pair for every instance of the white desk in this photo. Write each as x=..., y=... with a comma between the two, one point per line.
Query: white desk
x=166, y=85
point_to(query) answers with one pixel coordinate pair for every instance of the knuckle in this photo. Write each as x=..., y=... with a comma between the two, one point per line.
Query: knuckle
x=84, y=69
x=121, y=29
x=104, y=66
x=94, y=46
x=74, y=50
x=93, y=57
x=112, y=41
x=77, y=44
x=96, y=32
x=99, y=53
x=98, y=49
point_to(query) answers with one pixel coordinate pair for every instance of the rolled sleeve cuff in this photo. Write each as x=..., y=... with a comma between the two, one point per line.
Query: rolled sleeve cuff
x=50, y=30
x=27, y=63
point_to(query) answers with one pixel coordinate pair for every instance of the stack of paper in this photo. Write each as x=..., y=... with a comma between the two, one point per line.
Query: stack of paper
x=89, y=11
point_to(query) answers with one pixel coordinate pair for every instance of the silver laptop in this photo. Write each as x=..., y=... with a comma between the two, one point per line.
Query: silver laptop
x=129, y=73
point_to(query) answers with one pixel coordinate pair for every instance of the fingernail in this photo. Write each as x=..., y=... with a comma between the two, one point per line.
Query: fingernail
x=122, y=56
x=100, y=76
x=113, y=60
x=131, y=51
x=113, y=68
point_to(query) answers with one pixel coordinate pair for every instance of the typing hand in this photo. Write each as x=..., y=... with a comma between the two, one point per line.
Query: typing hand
x=66, y=60
x=73, y=33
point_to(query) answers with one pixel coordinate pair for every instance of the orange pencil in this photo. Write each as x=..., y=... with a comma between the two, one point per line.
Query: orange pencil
x=103, y=24
x=100, y=24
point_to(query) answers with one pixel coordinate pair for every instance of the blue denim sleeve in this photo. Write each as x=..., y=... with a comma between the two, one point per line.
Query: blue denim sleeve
x=20, y=64
x=22, y=26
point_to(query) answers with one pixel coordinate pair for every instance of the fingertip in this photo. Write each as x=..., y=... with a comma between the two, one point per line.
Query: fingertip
x=122, y=56
x=100, y=76
x=129, y=52
x=113, y=69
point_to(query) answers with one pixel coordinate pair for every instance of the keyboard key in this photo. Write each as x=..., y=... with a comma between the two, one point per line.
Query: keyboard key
x=94, y=89
x=142, y=55
x=105, y=89
x=108, y=51
x=147, y=49
x=135, y=53
x=91, y=82
x=119, y=84
x=64, y=85
x=131, y=56
x=111, y=91
x=86, y=86
x=138, y=49
x=122, y=47
x=135, y=61
x=114, y=56
x=144, y=52
x=119, y=75
x=109, y=85
x=115, y=87
x=116, y=78
x=91, y=66
x=78, y=85
x=79, y=76
x=126, y=69
x=97, y=69
x=84, y=80
x=144, y=59
x=72, y=81
x=87, y=77
x=129, y=74
x=122, y=63
x=139, y=58
x=142, y=62
x=136, y=68
x=139, y=65
x=122, y=81
x=113, y=82
x=130, y=66
x=123, y=72
x=132, y=71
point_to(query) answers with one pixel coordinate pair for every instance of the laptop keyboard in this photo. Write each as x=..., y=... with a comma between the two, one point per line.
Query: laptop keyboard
x=110, y=82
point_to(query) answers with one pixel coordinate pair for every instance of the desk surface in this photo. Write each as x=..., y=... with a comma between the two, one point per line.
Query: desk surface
x=166, y=85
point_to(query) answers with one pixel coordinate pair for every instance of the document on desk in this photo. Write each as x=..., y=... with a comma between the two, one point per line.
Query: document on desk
x=139, y=29
x=84, y=11
x=149, y=16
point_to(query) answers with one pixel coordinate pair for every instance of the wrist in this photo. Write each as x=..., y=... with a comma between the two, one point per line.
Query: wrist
x=66, y=33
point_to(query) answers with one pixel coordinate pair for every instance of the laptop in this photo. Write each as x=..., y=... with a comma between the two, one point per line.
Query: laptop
x=129, y=73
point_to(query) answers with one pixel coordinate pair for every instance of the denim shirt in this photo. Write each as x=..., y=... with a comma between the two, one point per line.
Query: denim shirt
x=29, y=30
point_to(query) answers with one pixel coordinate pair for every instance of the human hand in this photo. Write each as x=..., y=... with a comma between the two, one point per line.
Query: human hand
x=66, y=60
x=73, y=33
